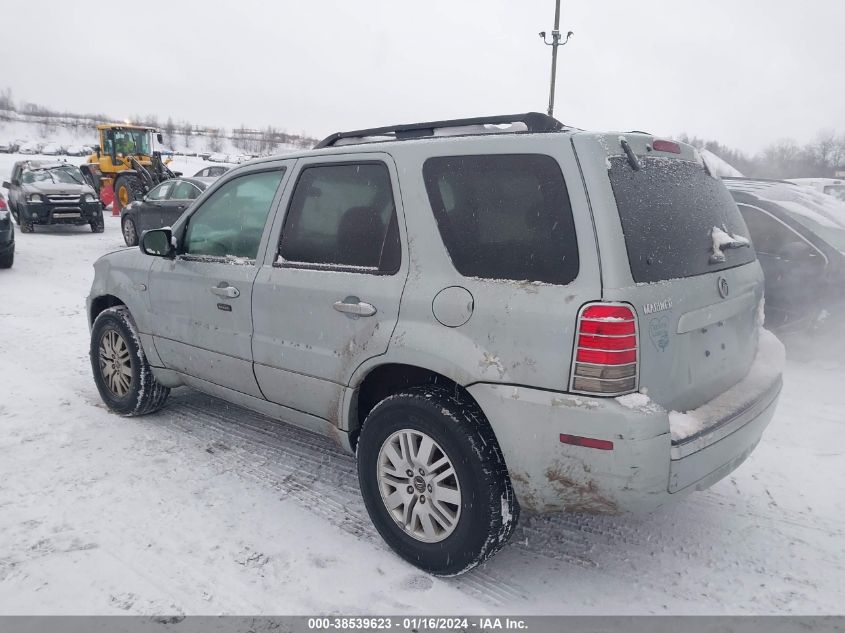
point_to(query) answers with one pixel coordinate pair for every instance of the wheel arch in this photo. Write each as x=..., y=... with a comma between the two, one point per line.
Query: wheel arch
x=386, y=379
x=100, y=303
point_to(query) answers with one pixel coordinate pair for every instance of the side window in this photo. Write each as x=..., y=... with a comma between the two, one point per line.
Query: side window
x=769, y=236
x=504, y=216
x=231, y=221
x=160, y=192
x=184, y=191
x=342, y=216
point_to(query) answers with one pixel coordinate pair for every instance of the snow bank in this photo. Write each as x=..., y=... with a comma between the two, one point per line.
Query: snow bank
x=767, y=366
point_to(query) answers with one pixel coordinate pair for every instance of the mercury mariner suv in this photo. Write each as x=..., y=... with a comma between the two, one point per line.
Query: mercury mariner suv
x=495, y=314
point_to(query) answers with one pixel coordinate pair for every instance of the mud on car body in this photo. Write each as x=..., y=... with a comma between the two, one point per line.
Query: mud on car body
x=497, y=314
x=44, y=193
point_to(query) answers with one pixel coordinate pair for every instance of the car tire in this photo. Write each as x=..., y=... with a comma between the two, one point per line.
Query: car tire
x=98, y=225
x=15, y=216
x=123, y=376
x=27, y=227
x=7, y=259
x=130, y=232
x=471, y=511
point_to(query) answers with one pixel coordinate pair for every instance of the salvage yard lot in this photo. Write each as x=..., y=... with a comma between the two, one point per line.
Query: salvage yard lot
x=205, y=508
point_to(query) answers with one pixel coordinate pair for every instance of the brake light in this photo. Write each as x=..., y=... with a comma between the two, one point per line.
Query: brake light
x=2, y=203
x=606, y=350
x=666, y=146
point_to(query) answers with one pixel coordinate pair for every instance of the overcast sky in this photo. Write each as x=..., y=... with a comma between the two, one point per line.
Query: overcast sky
x=746, y=72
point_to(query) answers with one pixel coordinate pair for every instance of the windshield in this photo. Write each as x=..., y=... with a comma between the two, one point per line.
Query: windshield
x=132, y=142
x=60, y=174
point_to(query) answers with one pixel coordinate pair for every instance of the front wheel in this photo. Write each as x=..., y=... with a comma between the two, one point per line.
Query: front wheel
x=121, y=371
x=434, y=480
x=98, y=225
x=130, y=233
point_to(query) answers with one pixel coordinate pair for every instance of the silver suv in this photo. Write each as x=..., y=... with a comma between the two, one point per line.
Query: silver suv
x=495, y=314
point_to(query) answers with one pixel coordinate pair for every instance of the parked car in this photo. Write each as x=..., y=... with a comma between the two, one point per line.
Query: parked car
x=52, y=149
x=799, y=236
x=7, y=235
x=545, y=319
x=30, y=148
x=8, y=147
x=162, y=206
x=42, y=192
x=831, y=186
x=215, y=171
x=77, y=150
x=218, y=157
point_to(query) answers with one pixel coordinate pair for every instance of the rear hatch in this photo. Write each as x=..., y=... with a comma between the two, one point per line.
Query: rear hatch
x=674, y=246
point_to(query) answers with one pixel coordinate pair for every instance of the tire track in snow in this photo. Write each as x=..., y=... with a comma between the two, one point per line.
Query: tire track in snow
x=323, y=479
x=307, y=468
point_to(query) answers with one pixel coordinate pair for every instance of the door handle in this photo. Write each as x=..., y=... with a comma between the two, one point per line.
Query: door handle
x=230, y=292
x=354, y=306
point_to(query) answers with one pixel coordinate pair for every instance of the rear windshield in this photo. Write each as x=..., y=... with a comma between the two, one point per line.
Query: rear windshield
x=669, y=208
x=504, y=216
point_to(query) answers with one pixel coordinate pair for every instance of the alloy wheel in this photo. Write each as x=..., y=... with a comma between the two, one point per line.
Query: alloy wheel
x=419, y=485
x=129, y=234
x=115, y=363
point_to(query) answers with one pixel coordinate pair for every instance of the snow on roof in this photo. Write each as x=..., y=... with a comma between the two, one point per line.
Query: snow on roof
x=798, y=199
x=718, y=166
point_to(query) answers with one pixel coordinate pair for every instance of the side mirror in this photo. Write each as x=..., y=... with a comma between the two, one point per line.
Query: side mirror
x=157, y=242
x=159, y=138
x=6, y=185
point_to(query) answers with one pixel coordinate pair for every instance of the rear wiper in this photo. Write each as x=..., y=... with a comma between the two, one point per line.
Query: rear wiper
x=724, y=240
x=629, y=153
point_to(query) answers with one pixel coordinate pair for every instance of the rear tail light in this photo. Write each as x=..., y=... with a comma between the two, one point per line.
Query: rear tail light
x=666, y=146
x=606, y=350
x=2, y=203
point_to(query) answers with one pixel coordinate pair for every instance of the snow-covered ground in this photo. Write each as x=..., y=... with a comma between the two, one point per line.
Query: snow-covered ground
x=205, y=508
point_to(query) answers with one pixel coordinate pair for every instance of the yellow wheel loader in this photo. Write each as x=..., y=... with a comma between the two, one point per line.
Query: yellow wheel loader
x=124, y=166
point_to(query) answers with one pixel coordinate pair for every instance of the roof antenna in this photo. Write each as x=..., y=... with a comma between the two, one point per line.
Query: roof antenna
x=554, y=44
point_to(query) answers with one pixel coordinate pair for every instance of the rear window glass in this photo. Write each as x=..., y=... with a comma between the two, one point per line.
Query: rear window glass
x=504, y=216
x=668, y=210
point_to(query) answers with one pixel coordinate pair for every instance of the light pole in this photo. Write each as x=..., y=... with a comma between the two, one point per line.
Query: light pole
x=554, y=44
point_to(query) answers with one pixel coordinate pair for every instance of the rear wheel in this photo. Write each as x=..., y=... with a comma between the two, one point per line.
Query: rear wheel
x=127, y=189
x=130, y=233
x=434, y=480
x=27, y=227
x=7, y=259
x=121, y=371
x=98, y=225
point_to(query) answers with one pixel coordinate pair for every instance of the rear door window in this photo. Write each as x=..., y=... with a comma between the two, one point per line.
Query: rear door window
x=668, y=210
x=504, y=216
x=184, y=191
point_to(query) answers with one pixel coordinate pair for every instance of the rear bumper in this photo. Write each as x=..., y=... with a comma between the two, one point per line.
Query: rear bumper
x=642, y=471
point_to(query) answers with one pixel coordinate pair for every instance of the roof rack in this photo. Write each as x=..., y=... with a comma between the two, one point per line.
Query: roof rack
x=534, y=122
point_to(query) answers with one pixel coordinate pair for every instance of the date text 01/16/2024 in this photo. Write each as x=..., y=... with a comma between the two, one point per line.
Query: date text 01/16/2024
x=417, y=623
